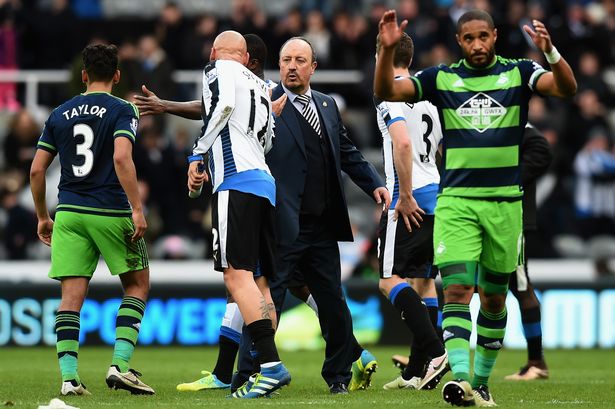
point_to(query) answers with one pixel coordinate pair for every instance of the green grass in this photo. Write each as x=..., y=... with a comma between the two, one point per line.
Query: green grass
x=30, y=377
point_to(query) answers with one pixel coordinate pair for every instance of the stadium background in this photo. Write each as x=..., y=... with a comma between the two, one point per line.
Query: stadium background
x=164, y=45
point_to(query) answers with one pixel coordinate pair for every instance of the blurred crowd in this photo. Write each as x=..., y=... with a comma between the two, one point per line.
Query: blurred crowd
x=576, y=199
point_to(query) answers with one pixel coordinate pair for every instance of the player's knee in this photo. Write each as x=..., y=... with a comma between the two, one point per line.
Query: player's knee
x=425, y=287
x=458, y=293
x=230, y=281
x=494, y=303
x=136, y=283
x=527, y=299
x=385, y=285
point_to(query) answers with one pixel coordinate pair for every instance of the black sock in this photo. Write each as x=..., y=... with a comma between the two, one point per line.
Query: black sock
x=256, y=365
x=416, y=364
x=434, y=317
x=227, y=351
x=262, y=335
x=530, y=318
x=414, y=314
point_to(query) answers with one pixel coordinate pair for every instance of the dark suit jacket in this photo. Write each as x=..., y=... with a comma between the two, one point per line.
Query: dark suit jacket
x=288, y=164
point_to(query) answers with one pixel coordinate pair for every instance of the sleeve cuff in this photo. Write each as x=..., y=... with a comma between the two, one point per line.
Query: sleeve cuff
x=195, y=158
x=396, y=119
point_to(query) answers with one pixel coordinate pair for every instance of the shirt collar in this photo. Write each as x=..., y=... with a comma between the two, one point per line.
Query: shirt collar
x=293, y=96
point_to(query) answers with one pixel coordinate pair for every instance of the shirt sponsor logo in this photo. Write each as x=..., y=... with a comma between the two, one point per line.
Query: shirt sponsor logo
x=481, y=112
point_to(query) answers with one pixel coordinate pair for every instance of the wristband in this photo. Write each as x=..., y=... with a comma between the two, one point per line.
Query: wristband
x=195, y=158
x=553, y=57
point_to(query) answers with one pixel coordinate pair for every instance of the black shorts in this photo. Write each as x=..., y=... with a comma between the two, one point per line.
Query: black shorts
x=243, y=230
x=403, y=253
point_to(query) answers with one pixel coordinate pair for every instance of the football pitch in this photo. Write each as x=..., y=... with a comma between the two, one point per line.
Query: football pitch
x=30, y=377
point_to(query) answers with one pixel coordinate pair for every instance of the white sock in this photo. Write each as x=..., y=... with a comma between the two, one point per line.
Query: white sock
x=270, y=364
x=232, y=317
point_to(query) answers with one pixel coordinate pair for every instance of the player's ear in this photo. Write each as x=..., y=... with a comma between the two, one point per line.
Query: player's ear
x=458, y=39
x=116, y=76
x=495, y=35
x=212, y=54
x=246, y=59
x=84, y=76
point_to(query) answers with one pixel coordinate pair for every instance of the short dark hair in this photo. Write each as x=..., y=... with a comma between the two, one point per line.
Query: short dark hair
x=256, y=48
x=475, y=15
x=302, y=39
x=404, y=50
x=100, y=61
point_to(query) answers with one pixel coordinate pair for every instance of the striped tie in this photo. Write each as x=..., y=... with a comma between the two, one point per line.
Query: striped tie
x=308, y=113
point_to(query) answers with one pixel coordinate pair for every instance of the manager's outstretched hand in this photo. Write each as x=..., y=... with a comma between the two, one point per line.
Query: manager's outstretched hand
x=389, y=31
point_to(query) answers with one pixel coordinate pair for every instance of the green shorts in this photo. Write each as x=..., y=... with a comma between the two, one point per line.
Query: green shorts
x=78, y=241
x=481, y=231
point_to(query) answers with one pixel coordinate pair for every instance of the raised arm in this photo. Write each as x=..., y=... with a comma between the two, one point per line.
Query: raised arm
x=150, y=104
x=560, y=82
x=385, y=86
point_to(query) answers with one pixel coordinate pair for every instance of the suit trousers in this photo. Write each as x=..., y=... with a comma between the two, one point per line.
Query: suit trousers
x=315, y=253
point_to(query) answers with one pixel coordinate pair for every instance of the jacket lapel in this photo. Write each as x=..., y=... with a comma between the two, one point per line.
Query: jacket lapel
x=288, y=118
x=325, y=109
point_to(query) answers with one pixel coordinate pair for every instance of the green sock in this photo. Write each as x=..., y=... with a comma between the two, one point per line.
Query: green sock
x=491, y=329
x=127, y=326
x=67, y=343
x=456, y=330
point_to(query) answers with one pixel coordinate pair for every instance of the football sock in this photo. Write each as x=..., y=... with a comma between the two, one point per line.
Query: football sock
x=227, y=352
x=491, y=329
x=262, y=334
x=67, y=343
x=435, y=315
x=456, y=329
x=414, y=314
x=256, y=366
x=127, y=325
x=533, y=333
x=312, y=304
x=228, y=342
x=416, y=364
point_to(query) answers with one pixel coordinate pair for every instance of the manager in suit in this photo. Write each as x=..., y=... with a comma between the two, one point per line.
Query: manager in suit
x=310, y=150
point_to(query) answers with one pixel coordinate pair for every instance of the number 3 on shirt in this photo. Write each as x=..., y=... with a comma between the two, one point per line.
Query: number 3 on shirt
x=84, y=150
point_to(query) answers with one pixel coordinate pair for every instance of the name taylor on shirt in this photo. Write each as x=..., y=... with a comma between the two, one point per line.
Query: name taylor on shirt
x=84, y=110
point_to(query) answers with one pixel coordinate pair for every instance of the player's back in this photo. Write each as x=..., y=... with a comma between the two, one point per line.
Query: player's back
x=425, y=133
x=241, y=144
x=82, y=131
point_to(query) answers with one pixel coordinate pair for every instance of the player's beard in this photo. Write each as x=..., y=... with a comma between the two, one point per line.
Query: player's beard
x=488, y=60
